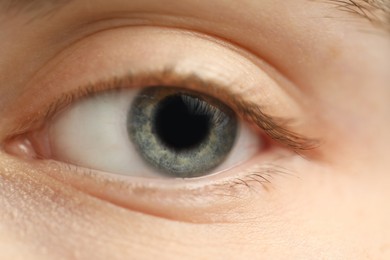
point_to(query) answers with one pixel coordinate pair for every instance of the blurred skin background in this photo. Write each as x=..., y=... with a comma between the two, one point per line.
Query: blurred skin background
x=308, y=175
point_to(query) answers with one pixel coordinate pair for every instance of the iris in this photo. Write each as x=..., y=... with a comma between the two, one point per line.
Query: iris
x=179, y=132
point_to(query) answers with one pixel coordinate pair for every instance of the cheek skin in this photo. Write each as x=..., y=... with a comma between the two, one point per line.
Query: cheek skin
x=44, y=219
x=52, y=220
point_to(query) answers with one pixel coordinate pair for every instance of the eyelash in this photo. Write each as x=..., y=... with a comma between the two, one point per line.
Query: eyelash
x=275, y=128
x=249, y=181
x=257, y=179
x=262, y=176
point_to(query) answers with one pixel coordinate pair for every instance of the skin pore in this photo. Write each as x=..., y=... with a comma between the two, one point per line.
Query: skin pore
x=322, y=67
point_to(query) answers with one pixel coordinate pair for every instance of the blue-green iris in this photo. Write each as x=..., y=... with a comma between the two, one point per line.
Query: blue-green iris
x=179, y=132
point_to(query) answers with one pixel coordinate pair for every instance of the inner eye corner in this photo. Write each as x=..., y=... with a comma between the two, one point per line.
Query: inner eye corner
x=19, y=146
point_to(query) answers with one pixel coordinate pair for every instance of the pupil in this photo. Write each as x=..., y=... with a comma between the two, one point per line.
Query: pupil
x=177, y=124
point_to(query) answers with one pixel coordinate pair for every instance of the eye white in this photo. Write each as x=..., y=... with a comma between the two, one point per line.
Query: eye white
x=93, y=134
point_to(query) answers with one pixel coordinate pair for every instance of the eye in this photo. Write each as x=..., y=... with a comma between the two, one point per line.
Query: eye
x=163, y=121
x=184, y=105
x=152, y=132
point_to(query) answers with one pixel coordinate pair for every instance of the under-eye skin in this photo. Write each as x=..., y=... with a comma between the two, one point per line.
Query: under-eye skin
x=180, y=132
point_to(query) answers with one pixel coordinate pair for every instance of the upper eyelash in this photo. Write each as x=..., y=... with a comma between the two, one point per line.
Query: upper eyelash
x=275, y=128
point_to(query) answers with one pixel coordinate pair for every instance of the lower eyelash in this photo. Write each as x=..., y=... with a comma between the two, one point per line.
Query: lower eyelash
x=257, y=180
x=263, y=176
x=210, y=196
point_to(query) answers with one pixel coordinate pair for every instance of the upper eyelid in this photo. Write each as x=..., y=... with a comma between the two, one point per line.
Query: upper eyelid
x=278, y=128
x=275, y=128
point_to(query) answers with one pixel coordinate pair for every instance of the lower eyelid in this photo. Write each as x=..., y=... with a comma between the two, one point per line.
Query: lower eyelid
x=236, y=187
x=212, y=197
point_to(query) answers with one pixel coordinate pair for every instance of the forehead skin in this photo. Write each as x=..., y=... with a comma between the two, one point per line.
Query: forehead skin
x=334, y=207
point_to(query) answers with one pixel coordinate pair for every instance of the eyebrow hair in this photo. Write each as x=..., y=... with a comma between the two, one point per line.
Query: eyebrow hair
x=375, y=11
x=18, y=6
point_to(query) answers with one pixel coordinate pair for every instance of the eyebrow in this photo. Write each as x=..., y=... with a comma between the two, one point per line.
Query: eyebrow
x=18, y=6
x=375, y=11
